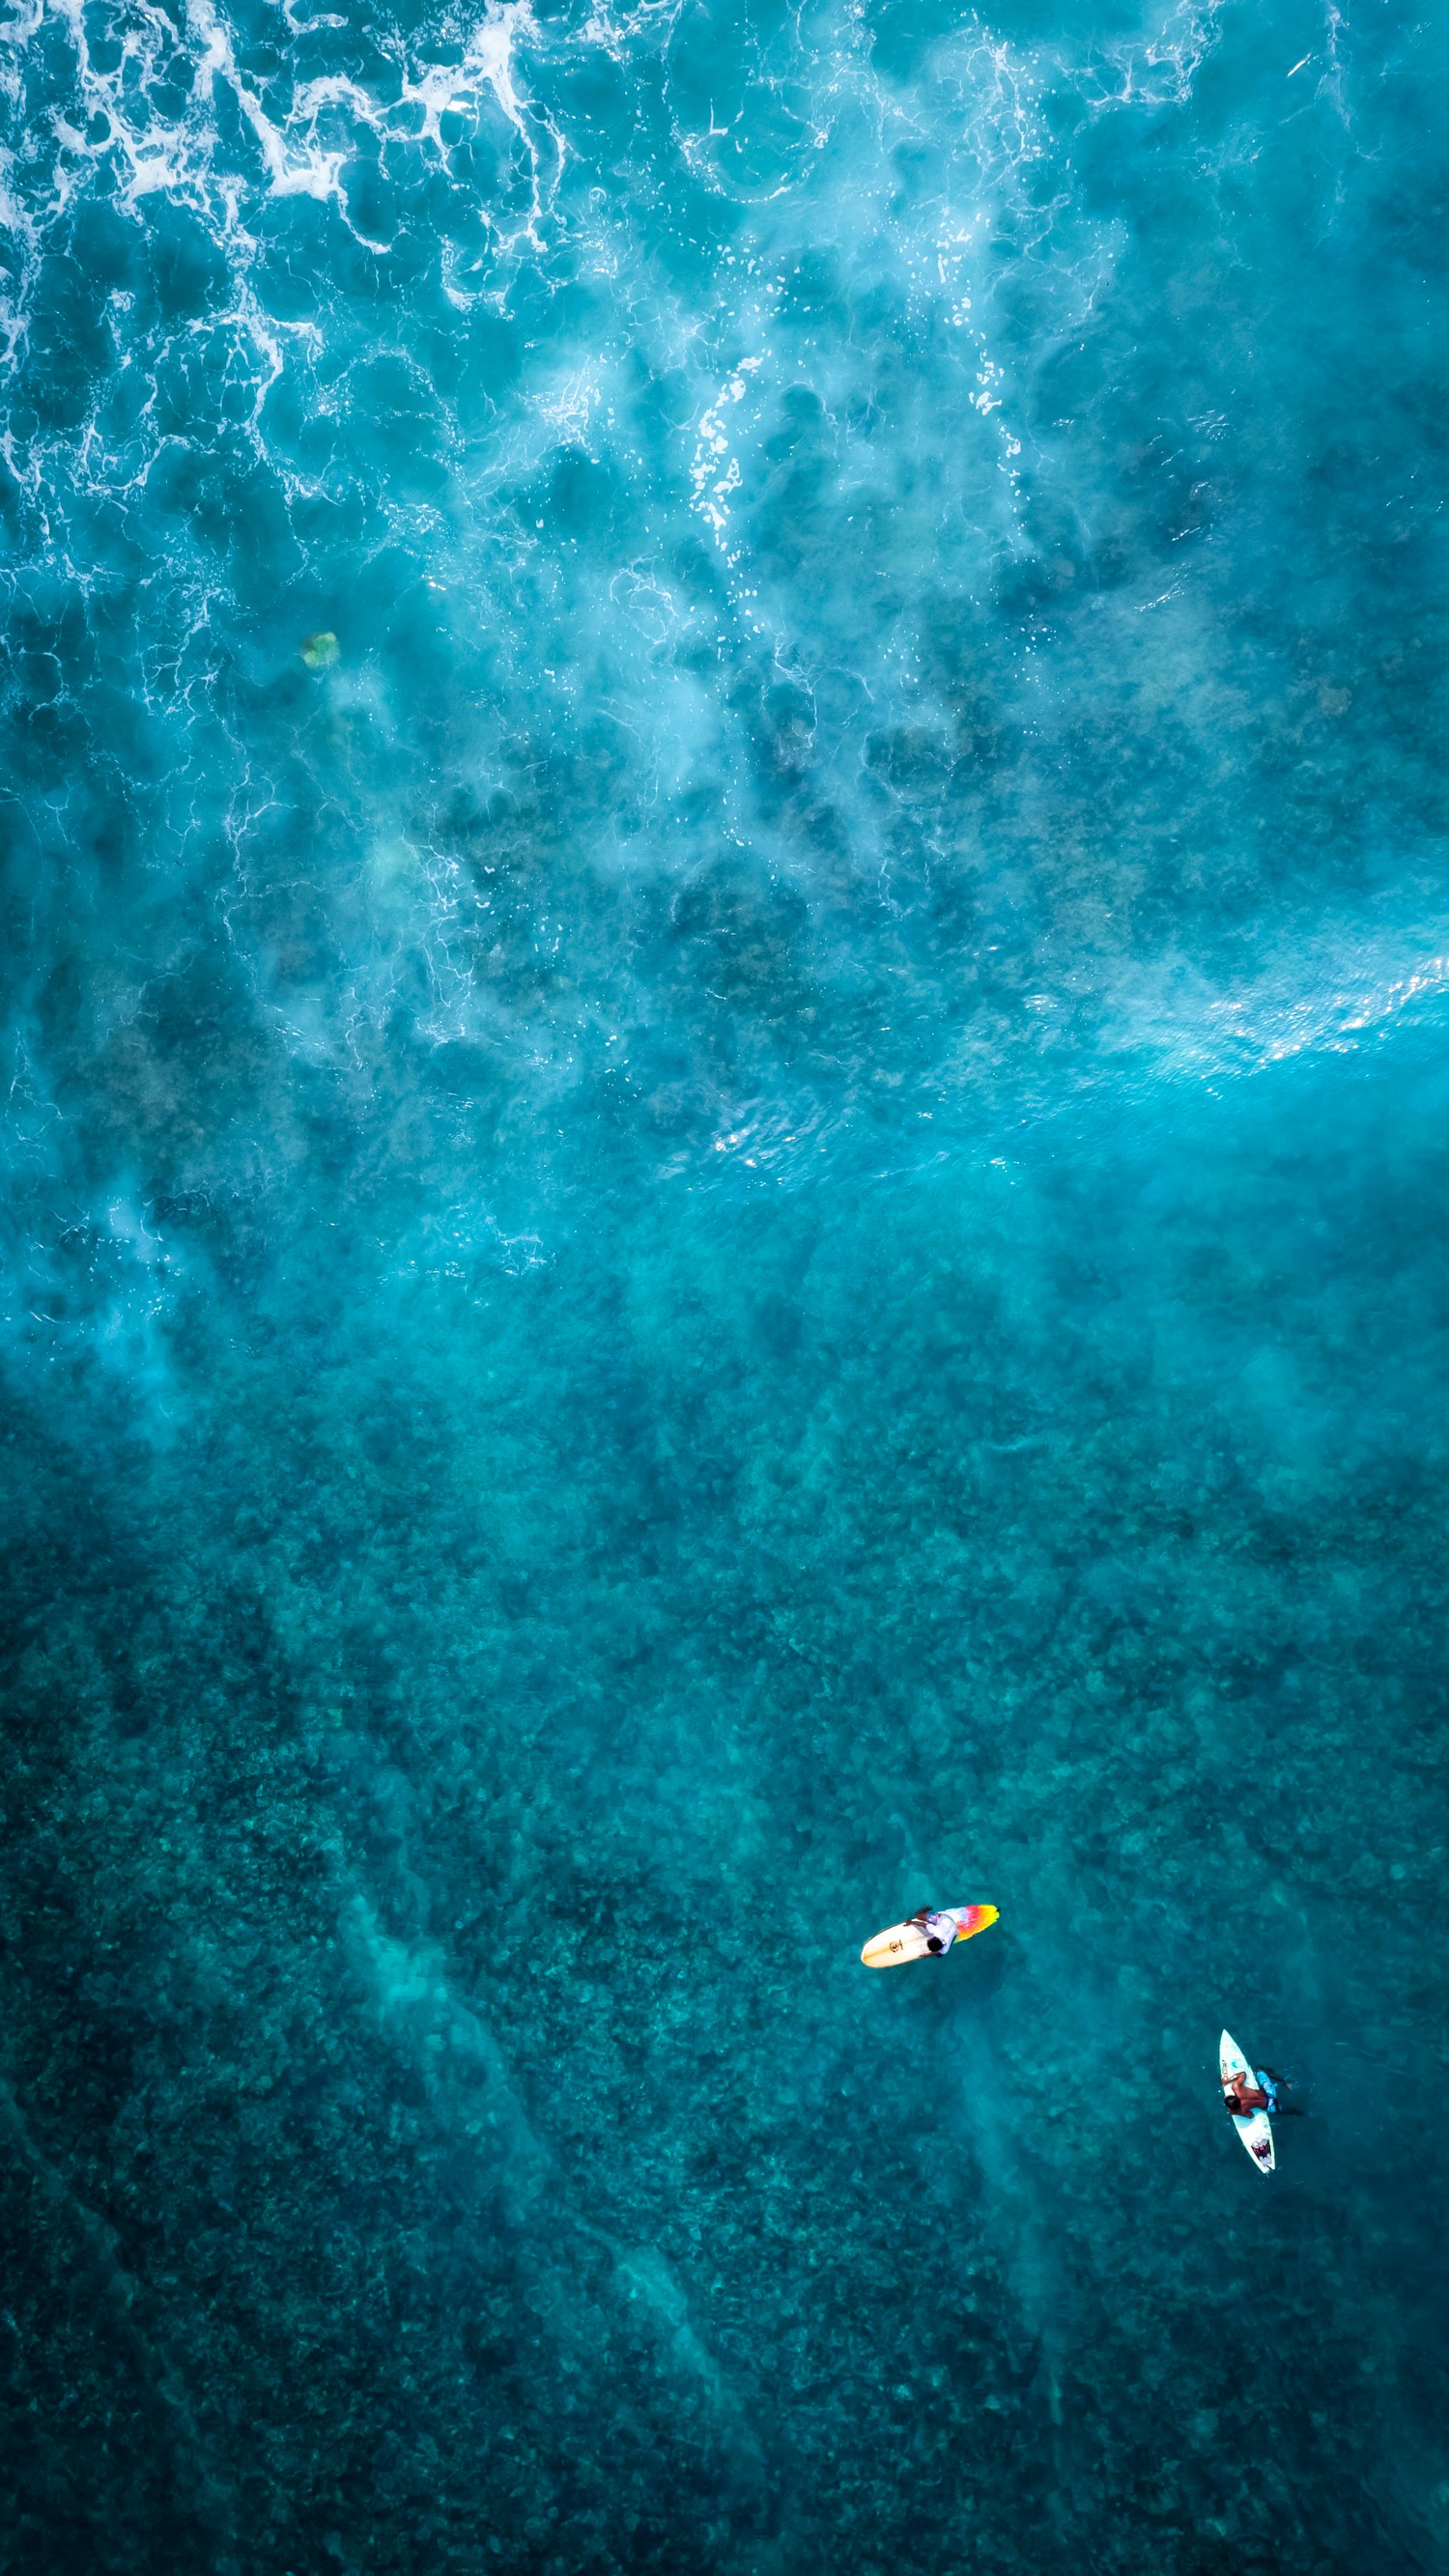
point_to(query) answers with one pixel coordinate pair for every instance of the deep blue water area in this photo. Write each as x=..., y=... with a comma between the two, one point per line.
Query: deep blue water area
x=726, y=1125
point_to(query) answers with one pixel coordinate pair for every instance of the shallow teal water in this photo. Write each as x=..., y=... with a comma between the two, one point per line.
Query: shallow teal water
x=742, y=1226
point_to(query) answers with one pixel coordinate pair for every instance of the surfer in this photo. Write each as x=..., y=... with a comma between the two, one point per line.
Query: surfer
x=1245, y=2095
x=1261, y=2092
x=940, y=1929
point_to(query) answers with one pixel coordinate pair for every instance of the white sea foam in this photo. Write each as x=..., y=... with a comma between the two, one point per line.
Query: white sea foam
x=1155, y=66
x=232, y=143
x=181, y=155
x=1346, y=990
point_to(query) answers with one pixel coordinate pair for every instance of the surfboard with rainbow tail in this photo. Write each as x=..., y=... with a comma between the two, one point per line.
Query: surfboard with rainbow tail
x=902, y=1941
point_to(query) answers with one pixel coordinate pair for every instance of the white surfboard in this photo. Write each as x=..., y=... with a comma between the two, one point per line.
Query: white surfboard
x=1256, y=2129
x=902, y=1941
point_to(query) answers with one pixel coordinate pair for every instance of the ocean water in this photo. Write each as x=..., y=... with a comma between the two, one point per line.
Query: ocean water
x=737, y=1223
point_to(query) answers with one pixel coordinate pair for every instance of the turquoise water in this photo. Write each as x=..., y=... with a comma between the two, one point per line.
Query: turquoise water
x=740, y=1225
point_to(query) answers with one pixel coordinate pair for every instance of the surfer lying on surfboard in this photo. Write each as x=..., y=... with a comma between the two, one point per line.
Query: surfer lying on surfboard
x=1258, y=2092
x=940, y=1929
x=927, y=1934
